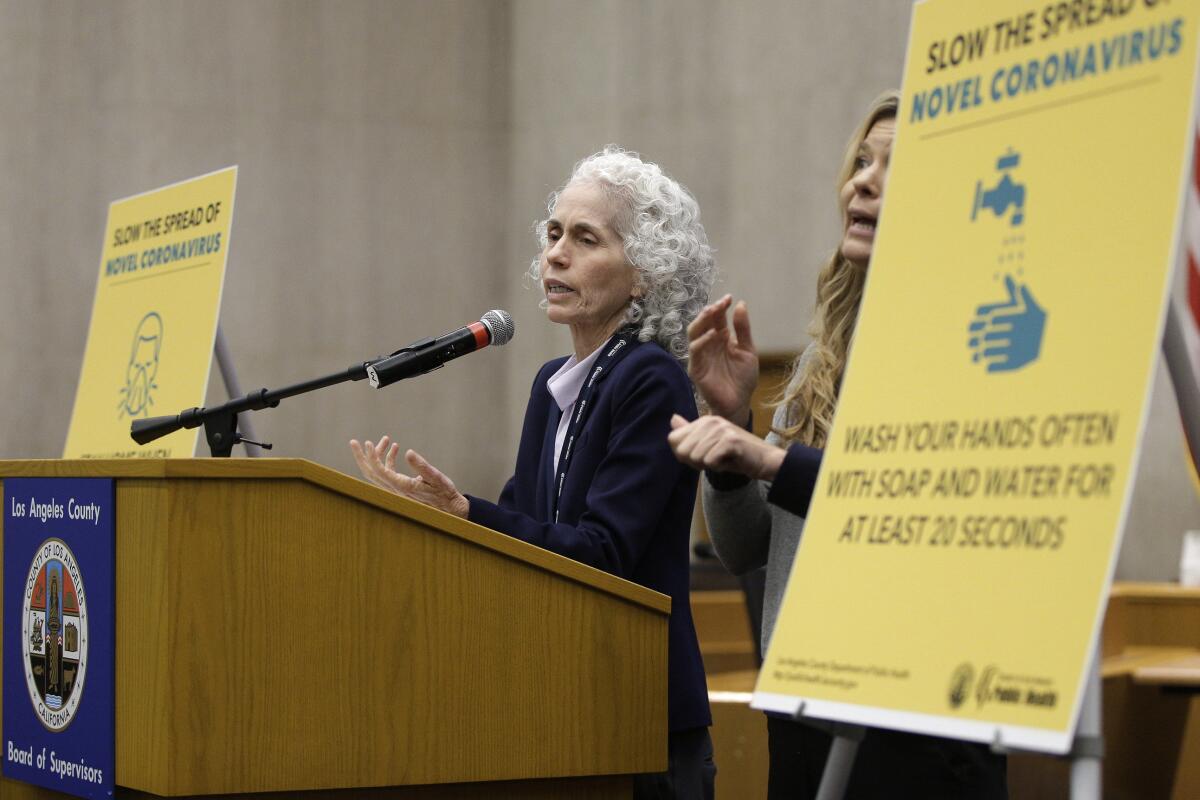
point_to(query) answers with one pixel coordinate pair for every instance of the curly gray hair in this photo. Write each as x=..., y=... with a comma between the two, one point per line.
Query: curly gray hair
x=658, y=221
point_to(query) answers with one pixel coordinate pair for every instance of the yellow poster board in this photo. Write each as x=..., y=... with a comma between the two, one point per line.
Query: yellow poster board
x=154, y=319
x=958, y=551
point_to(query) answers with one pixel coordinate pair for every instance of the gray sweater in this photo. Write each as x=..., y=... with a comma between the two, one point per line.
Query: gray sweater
x=748, y=532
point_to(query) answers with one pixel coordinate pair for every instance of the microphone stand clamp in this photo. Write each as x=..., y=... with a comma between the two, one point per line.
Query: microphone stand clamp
x=222, y=434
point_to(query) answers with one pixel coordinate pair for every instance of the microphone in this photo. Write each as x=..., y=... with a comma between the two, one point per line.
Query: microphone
x=495, y=327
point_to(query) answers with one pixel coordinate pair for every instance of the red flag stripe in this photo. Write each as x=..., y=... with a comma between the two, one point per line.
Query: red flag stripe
x=1193, y=289
x=1193, y=271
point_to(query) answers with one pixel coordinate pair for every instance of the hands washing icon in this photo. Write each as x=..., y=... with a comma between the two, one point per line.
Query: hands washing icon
x=1008, y=335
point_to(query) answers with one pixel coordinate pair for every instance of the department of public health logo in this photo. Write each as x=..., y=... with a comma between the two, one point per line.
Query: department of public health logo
x=54, y=634
x=960, y=684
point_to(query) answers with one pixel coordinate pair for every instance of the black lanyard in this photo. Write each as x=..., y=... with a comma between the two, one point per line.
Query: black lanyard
x=617, y=347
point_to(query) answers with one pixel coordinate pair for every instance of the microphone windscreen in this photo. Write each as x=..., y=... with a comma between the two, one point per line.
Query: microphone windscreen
x=500, y=325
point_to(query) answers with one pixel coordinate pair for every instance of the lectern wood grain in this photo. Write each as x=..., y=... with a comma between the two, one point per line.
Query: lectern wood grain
x=282, y=627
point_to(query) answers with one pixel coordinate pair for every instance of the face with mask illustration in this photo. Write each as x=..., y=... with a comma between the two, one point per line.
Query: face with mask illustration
x=143, y=367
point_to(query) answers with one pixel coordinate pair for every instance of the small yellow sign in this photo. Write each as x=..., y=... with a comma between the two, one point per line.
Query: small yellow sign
x=154, y=319
x=956, y=560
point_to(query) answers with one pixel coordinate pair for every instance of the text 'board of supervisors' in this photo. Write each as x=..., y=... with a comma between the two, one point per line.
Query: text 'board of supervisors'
x=955, y=562
x=59, y=634
x=154, y=320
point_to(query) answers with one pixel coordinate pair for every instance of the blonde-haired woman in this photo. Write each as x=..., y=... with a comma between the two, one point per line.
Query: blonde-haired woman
x=756, y=493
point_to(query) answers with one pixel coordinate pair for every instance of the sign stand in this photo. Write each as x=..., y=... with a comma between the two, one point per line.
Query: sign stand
x=1087, y=750
x=233, y=389
x=836, y=776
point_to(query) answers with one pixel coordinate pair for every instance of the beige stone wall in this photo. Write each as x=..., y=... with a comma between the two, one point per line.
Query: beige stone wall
x=393, y=157
x=371, y=145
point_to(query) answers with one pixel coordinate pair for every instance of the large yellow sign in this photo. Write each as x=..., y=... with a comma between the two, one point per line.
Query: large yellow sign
x=154, y=319
x=956, y=559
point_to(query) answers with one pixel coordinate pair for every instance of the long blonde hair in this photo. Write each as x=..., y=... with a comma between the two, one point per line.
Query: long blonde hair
x=810, y=395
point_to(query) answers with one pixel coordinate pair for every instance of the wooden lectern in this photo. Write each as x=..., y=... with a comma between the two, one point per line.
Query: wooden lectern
x=282, y=627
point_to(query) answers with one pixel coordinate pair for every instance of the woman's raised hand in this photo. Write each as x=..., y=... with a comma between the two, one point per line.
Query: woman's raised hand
x=722, y=361
x=377, y=462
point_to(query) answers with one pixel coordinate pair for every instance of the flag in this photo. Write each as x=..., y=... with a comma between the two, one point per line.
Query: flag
x=1181, y=340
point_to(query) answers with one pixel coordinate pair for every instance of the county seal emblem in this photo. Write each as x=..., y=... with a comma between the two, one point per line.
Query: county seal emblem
x=54, y=635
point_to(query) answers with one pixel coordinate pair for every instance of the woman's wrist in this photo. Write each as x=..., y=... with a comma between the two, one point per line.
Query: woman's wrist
x=741, y=416
x=738, y=412
x=738, y=415
x=771, y=461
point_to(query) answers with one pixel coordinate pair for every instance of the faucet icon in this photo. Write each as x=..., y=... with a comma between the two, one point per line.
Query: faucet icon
x=1007, y=192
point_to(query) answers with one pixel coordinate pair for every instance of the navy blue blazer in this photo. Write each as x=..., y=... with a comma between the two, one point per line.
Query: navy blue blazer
x=626, y=505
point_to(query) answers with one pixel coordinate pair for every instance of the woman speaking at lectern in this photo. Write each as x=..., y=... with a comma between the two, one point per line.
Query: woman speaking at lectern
x=756, y=492
x=625, y=265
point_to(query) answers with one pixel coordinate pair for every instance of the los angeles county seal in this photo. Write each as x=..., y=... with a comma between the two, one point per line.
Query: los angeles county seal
x=54, y=635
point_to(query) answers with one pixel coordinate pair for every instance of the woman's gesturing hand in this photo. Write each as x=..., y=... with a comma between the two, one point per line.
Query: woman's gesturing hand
x=722, y=361
x=718, y=444
x=377, y=462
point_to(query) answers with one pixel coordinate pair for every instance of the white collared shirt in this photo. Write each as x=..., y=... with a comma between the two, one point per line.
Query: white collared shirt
x=564, y=387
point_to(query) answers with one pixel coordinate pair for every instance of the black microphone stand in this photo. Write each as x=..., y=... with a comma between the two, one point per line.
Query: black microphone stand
x=220, y=422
